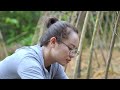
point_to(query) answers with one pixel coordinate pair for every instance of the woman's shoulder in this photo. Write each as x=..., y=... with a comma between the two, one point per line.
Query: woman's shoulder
x=29, y=50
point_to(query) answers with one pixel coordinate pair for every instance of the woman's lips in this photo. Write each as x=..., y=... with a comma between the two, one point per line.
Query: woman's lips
x=68, y=60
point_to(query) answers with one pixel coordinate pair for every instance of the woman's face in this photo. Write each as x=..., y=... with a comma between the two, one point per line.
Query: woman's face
x=66, y=49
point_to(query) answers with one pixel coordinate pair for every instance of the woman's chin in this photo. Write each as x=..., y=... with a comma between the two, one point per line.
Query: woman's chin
x=64, y=64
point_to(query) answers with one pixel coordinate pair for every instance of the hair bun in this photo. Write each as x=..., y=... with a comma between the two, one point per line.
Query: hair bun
x=50, y=21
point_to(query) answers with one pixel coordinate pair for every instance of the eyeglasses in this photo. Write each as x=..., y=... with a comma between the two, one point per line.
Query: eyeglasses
x=72, y=52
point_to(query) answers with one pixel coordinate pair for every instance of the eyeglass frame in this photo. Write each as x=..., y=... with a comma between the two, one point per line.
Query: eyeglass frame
x=70, y=50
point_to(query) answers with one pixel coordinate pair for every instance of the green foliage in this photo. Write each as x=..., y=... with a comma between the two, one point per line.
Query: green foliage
x=27, y=41
x=65, y=16
x=14, y=23
x=85, y=43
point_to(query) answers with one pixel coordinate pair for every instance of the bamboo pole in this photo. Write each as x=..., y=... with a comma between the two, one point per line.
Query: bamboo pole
x=73, y=18
x=92, y=44
x=111, y=46
x=78, y=58
x=78, y=19
x=99, y=38
x=95, y=53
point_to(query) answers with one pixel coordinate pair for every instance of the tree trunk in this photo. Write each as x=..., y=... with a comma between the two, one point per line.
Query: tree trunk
x=40, y=26
x=3, y=44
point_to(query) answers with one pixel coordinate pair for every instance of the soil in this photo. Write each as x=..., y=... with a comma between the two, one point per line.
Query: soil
x=98, y=65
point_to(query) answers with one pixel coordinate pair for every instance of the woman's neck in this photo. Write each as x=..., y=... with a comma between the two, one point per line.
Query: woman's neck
x=47, y=56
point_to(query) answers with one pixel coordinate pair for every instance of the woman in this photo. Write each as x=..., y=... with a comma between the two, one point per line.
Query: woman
x=45, y=60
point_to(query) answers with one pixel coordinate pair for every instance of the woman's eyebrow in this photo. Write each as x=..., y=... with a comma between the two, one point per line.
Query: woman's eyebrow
x=74, y=46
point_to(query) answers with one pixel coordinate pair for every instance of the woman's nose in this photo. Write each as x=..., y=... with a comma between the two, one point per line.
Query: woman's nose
x=71, y=55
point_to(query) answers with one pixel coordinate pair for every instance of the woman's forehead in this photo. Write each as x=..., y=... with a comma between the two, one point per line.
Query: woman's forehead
x=73, y=39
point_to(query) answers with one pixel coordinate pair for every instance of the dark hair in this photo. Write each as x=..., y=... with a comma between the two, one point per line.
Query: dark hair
x=56, y=28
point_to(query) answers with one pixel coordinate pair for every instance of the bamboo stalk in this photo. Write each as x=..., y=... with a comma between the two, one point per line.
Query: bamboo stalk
x=99, y=38
x=73, y=18
x=76, y=25
x=96, y=58
x=78, y=58
x=101, y=47
x=92, y=44
x=111, y=47
x=78, y=19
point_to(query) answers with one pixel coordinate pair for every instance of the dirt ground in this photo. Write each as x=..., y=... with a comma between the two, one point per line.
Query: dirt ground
x=98, y=65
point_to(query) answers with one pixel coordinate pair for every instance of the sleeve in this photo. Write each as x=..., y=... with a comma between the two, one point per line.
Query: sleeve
x=60, y=73
x=30, y=69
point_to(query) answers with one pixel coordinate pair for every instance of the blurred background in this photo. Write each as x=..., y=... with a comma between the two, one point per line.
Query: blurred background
x=99, y=43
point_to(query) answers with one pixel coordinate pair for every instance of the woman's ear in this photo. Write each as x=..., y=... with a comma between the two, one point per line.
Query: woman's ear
x=52, y=41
